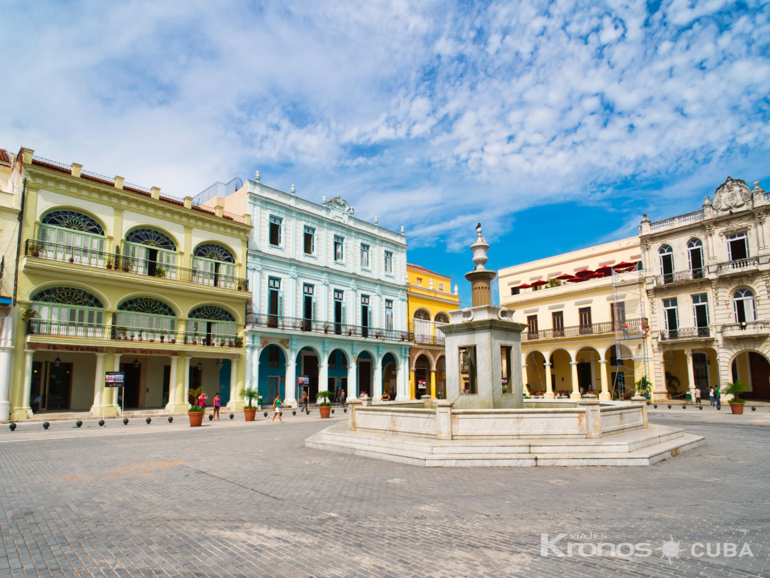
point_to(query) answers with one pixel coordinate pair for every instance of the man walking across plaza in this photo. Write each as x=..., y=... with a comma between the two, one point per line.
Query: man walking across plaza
x=711, y=395
x=304, y=401
x=697, y=395
x=718, y=397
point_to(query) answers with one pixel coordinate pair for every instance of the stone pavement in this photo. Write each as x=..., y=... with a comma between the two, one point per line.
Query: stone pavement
x=248, y=499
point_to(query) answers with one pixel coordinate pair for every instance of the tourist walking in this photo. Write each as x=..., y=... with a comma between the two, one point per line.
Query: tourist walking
x=202, y=399
x=277, y=409
x=217, y=403
x=697, y=395
x=718, y=397
x=304, y=401
x=711, y=395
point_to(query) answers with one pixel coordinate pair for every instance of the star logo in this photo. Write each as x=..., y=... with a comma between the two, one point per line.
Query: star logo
x=670, y=549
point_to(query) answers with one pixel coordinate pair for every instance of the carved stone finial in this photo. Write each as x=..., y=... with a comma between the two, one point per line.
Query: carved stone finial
x=323, y=200
x=732, y=194
x=351, y=211
x=376, y=220
x=457, y=290
x=293, y=189
x=257, y=176
x=402, y=229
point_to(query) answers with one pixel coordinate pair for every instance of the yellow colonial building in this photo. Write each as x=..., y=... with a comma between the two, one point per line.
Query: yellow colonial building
x=117, y=277
x=586, y=315
x=429, y=299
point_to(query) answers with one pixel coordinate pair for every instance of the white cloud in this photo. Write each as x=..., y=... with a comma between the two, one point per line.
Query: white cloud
x=433, y=115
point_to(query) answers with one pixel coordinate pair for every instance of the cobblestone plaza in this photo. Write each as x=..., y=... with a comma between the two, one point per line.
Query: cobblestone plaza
x=238, y=499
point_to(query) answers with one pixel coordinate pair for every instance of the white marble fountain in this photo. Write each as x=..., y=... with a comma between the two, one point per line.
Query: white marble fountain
x=486, y=421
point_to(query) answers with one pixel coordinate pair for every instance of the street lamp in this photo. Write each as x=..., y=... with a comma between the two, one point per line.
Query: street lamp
x=57, y=363
x=136, y=363
x=200, y=366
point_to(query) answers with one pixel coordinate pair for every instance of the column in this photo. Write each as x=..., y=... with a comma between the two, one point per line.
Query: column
x=290, y=396
x=28, y=354
x=548, y=381
x=377, y=390
x=575, y=385
x=116, y=367
x=236, y=401
x=184, y=391
x=172, y=383
x=433, y=383
x=6, y=367
x=402, y=394
x=606, y=380
x=593, y=373
x=96, y=408
x=252, y=368
x=323, y=375
x=352, y=381
x=690, y=373
x=412, y=388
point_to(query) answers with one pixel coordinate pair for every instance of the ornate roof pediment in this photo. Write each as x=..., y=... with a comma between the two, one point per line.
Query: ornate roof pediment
x=732, y=194
x=339, y=204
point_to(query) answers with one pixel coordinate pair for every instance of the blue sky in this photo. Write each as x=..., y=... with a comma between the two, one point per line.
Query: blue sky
x=555, y=124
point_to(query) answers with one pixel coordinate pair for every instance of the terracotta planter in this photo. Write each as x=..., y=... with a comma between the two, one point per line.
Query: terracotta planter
x=196, y=418
x=250, y=413
x=737, y=408
x=325, y=410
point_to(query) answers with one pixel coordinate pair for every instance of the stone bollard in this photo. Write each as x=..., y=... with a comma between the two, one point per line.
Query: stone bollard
x=353, y=404
x=444, y=419
x=643, y=400
x=593, y=417
x=427, y=401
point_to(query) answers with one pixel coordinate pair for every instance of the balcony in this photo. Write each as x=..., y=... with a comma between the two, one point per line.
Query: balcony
x=677, y=221
x=128, y=265
x=429, y=339
x=135, y=337
x=680, y=277
x=746, y=329
x=687, y=333
x=330, y=328
x=629, y=329
x=735, y=267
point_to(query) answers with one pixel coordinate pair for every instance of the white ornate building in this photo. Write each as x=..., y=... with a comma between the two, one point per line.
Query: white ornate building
x=329, y=308
x=708, y=283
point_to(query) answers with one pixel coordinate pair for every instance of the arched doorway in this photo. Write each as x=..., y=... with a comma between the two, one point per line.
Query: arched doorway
x=389, y=375
x=753, y=369
x=338, y=375
x=365, y=365
x=535, y=373
x=561, y=372
x=307, y=373
x=588, y=369
x=421, y=376
x=441, y=377
x=272, y=373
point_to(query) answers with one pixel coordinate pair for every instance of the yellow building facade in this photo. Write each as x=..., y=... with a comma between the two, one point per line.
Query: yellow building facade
x=429, y=301
x=116, y=277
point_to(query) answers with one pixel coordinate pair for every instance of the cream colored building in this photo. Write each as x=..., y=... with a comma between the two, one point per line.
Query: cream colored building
x=589, y=336
x=708, y=282
x=117, y=277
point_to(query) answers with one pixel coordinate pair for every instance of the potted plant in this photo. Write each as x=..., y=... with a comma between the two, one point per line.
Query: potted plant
x=736, y=389
x=121, y=332
x=72, y=259
x=242, y=284
x=326, y=328
x=172, y=340
x=126, y=266
x=34, y=249
x=250, y=411
x=160, y=272
x=27, y=317
x=239, y=341
x=324, y=403
x=162, y=338
x=643, y=386
x=196, y=414
x=108, y=263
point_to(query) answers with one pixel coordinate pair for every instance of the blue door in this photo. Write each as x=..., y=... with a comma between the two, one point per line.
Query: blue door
x=224, y=382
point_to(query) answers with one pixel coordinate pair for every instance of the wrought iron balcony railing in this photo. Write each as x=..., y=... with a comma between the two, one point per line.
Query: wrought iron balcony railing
x=428, y=339
x=104, y=260
x=325, y=327
x=737, y=266
x=130, y=334
x=746, y=329
x=686, y=333
x=681, y=276
x=628, y=329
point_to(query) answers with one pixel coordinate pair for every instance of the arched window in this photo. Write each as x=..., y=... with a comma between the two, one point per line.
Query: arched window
x=151, y=252
x=68, y=235
x=214, y=265
x=422, y=314
x=442, y=318
x=422, y=326
x=743, y=306
x=145, y=318
x=667, y=263
x=211, y=325
x=695, y=252
x=67, y=311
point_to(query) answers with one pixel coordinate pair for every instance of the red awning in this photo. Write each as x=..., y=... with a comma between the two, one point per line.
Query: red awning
x=595, y=275
x=523, y=286
x=539, y=282
x=577, y=279
x=605, y=270
x=623, y=265
x=584, y=273
x=564, y=277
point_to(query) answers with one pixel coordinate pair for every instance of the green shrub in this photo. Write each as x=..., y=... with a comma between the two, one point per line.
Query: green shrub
x=736, y=389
